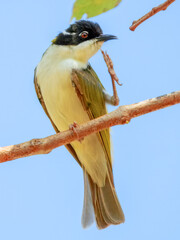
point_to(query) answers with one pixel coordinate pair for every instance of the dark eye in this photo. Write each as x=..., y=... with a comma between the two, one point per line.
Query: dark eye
x=84, y=34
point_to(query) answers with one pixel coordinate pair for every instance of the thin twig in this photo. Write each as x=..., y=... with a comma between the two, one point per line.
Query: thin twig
x=113, y=75
x=121, y=115
x=155, y=10
x=110, y=67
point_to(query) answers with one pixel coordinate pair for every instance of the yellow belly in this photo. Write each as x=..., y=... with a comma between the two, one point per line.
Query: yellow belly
x=64, y=108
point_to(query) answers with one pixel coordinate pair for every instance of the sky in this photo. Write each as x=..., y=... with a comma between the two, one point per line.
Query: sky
x=41, y=197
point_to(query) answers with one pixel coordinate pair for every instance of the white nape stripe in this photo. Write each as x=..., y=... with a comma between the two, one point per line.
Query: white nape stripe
x=67, y=33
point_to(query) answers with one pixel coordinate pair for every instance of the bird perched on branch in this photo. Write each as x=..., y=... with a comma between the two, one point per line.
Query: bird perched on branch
x=71, y=92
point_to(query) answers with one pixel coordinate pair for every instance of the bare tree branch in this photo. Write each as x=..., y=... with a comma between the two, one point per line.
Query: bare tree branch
x=121, y=115
x=155, y=10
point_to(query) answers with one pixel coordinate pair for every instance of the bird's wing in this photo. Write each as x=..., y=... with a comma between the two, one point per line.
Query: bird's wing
x=90, y=91
x=41, y=100
x=105, y=201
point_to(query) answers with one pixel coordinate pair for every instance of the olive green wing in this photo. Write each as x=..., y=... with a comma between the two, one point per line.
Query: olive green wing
x=106, y=205
x=91, y=94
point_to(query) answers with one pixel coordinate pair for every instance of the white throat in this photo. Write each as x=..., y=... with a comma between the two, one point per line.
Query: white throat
x=81, y=52
x=84, y=51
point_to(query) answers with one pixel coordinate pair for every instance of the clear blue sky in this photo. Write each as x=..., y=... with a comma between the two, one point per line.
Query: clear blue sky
x=41, y=197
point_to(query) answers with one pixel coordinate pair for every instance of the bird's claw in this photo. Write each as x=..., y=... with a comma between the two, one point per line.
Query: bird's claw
x=74, y=127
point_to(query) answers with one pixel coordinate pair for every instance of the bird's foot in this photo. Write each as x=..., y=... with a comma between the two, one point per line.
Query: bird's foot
x=74, y=127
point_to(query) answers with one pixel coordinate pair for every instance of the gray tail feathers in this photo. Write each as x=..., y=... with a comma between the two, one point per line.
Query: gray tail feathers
x=104, y=202
x=88, y=213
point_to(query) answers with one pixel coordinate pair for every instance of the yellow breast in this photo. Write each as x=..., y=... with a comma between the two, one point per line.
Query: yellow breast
x=64, y=107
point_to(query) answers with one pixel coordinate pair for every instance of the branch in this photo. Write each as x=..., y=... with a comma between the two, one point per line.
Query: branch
x=155, y=10
x=121, y=115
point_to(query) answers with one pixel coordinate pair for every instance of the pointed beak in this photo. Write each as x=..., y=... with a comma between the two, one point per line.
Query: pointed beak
x=105, y=37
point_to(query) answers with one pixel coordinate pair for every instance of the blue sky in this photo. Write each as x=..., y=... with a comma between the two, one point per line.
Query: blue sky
x=41, y=197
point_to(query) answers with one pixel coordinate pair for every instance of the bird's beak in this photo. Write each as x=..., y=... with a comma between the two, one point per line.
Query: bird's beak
x=105, y=37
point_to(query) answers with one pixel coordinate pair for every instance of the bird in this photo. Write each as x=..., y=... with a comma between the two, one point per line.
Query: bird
x=71, y=93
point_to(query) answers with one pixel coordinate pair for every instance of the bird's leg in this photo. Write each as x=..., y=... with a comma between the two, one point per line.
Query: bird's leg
x=73, y=127
x=113, y=100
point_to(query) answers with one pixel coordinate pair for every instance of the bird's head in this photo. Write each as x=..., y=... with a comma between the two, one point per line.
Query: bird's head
x=82, y=39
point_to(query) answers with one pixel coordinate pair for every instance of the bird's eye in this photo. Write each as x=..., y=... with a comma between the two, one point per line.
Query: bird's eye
x=84, y=34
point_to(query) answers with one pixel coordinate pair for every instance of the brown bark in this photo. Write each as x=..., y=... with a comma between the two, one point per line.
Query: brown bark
x=155, y=10
x=121, y=115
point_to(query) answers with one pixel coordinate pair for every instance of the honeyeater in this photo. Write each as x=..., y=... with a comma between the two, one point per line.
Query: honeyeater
x=70, y=91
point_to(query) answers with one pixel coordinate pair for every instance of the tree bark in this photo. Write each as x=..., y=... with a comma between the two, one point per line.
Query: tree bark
x=122, y=115
x=155, y=10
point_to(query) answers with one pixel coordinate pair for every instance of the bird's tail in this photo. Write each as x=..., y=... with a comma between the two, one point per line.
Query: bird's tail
x=104, y=202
